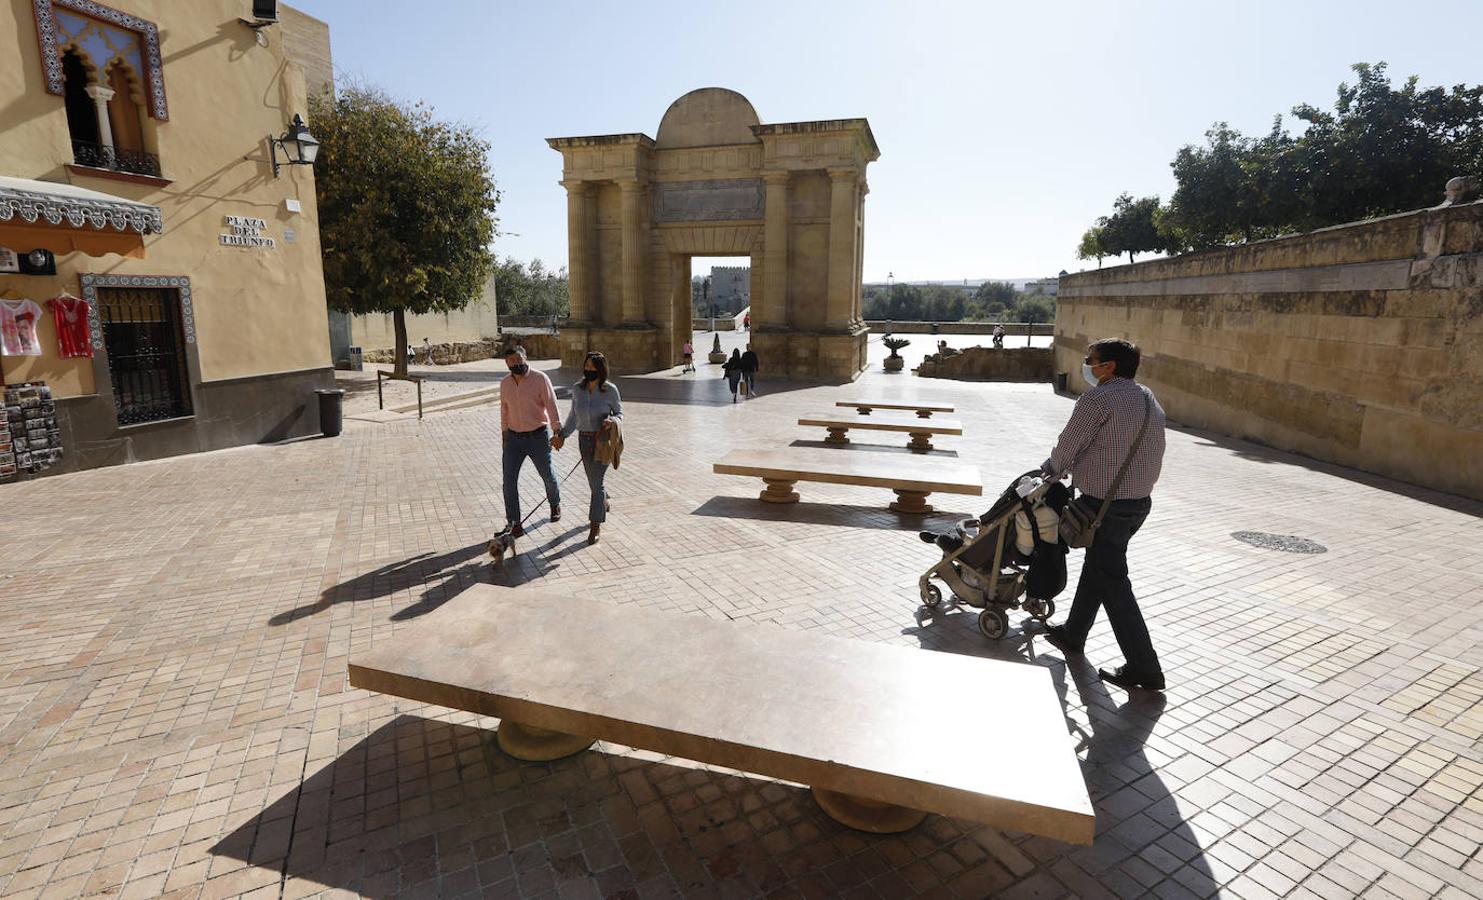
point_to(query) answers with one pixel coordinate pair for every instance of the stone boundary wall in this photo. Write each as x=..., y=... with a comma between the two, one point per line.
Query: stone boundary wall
x=1360, y=344
x=989, y=364
x=882, y=326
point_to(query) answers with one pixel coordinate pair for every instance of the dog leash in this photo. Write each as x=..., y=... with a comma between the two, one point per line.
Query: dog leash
x=544, y=499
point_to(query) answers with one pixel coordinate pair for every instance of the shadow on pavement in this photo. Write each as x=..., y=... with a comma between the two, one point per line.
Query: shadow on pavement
x=428, y=808
x=826, y=514
x=873, y=448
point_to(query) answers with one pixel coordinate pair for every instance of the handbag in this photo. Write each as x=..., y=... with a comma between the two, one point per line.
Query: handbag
x=1079, y=520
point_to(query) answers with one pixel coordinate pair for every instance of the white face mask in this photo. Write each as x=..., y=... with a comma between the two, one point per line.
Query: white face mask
x=1086, y=372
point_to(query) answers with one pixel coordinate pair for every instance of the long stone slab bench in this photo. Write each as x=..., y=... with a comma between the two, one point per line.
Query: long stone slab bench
x=923, y=410
x=912, y=479
x=920, y=430
x=866, y=725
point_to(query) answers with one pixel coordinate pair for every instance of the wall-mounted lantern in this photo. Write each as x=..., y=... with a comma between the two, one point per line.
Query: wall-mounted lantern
x=300, y=148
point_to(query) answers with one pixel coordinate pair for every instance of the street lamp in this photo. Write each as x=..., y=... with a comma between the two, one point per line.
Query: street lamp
x=300, y=148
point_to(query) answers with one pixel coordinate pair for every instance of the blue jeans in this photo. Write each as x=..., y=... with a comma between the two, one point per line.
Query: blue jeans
x=537, y=446
x=1104, y=583
x=597, y=507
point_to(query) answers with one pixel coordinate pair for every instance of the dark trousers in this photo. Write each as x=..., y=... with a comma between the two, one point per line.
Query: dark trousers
x=1104, y=583
x=519, y=447
x=597, y=507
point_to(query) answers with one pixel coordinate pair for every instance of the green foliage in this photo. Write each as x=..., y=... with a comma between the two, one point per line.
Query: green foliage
x=992, y=301
x=1381, y=150
x=406, y=208
x=894, y=343
x=530, y=291
x=1132, y=227
x=1091, y=245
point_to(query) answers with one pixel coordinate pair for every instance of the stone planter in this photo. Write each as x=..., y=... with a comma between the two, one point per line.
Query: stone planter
x=894, y=363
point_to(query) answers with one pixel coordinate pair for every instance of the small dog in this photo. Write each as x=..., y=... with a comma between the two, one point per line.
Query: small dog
x=502, y=542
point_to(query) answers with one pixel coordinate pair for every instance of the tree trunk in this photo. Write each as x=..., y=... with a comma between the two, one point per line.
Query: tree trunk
x=399, y=336
x=1130, y=256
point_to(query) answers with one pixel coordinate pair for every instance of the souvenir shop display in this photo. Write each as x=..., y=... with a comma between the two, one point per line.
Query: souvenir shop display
x=18, y=320
x=30, y=440
x=74, y=336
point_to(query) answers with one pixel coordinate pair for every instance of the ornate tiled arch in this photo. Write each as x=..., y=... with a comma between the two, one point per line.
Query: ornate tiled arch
x=148, y=34
x=179, y=283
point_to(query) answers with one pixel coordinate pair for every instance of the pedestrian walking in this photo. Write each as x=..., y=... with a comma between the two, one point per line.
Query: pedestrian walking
x=427, y=352
x=747, y=322
x=596, y=412
x=528, y=417
x=688, y=351
x=731, y=369
x=749, y=368
x=1113, y=447
x=998, y=336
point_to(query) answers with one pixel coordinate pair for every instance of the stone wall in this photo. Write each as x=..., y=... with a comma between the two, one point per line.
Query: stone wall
x=1360, y=344
x=476, y=322
x=989, y=364
x=890, y=326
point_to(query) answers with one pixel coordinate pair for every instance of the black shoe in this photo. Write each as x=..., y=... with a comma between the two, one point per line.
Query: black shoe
x=516, y=530
x=1129, y=680
x=1057, y=637
x=556, y=514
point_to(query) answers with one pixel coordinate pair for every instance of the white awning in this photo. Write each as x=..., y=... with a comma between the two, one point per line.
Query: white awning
x=52, y=203
x=65, y=218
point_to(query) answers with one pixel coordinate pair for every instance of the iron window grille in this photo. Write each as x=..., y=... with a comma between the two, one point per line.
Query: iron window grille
x=146, y=355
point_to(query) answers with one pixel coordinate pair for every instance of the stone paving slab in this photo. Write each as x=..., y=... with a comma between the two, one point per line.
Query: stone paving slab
x=175, y=718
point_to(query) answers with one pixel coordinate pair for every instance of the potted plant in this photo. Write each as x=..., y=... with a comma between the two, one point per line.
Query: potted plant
x=894, y=363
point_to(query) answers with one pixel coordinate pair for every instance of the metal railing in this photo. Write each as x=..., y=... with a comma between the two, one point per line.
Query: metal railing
x=100, y=156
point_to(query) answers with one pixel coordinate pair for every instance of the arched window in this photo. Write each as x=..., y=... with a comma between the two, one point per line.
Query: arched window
x=123, y=118
x=82, y=112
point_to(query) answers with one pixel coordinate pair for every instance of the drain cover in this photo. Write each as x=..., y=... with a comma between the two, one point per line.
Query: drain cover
x=1287, y=543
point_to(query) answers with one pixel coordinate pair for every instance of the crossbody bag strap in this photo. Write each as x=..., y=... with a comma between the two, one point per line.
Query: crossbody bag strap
x=1138, y=442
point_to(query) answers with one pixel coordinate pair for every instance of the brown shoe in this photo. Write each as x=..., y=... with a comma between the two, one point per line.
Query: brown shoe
x=593, y=532
x=516, y=530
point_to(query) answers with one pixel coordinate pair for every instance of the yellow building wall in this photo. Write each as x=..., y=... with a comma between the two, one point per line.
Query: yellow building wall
x=257, y=311
x=474, y=322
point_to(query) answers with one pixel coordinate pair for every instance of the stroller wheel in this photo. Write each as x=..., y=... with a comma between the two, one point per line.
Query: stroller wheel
x=993, y=623
x=932, y=595
x=1040, y=609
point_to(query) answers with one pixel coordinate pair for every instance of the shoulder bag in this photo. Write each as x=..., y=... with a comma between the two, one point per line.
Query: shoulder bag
x=1079, y=521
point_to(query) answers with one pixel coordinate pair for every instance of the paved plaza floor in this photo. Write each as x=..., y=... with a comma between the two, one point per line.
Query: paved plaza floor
x=175, y=718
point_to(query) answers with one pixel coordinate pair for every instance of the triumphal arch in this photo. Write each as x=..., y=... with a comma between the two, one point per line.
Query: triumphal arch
x=717, y=182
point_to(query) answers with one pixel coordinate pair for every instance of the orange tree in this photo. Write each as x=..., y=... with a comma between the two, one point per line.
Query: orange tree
x=406, y=208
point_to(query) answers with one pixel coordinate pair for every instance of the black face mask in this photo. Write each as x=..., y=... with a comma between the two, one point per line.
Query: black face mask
x=588, y=376
x=520, y=369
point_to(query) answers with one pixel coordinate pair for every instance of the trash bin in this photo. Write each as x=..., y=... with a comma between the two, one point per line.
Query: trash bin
x=1060, y=382
x=331, y=411
x=357, y=363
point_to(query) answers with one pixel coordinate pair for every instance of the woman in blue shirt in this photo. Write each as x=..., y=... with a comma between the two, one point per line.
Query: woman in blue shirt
x=594, y=402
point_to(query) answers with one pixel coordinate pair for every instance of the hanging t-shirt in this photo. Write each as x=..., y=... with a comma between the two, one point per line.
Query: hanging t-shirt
x=71, y=317
x=18, y=320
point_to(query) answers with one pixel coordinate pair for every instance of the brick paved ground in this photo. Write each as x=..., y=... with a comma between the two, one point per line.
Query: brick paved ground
x=175, y=720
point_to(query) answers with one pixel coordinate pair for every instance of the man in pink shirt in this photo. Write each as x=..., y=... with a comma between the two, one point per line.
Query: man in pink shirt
x=528, y=418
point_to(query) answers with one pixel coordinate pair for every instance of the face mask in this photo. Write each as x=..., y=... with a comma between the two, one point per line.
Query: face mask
x=1086, y=372
x=521, y=369
x=588, y=376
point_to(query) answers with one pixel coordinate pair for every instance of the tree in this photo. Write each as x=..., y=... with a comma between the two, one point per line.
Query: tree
x=995, y=292
x=1132, y=227
x=1091, y=245
x=406, y=208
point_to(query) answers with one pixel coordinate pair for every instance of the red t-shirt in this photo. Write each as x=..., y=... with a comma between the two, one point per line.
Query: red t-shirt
x=74, y=338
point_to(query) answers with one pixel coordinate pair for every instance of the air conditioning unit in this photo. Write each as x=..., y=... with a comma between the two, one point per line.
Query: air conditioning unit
x=265, y=10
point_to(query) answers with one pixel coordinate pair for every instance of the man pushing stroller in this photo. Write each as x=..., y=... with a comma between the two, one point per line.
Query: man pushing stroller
x=1113, y=448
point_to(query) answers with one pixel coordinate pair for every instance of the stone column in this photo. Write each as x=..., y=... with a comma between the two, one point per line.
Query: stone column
x=857, y=312
x=578, y=248
x=840, y=306
x=773, y=311
x=101, y=95
x=634, y=246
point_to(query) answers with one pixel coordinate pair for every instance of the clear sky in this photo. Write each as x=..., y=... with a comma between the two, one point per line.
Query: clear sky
x=1004, y=128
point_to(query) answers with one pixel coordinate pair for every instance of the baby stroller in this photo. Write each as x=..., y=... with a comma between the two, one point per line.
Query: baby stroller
x=1011, y=551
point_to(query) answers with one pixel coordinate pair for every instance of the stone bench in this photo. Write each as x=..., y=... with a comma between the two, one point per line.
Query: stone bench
x=866, y=725
x=923, y=410
x=920, y=430
x=912, y=479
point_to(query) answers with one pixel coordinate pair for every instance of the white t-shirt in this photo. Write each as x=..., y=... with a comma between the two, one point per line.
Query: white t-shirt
x=18, y=320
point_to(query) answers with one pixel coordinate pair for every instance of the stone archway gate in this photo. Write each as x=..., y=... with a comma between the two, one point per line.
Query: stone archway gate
x=716, y=182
